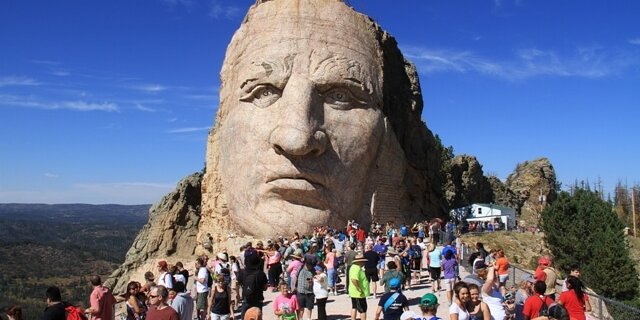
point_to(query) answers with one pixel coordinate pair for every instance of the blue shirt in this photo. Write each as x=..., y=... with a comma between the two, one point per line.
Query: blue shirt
x=381, y=250
x=434, y=258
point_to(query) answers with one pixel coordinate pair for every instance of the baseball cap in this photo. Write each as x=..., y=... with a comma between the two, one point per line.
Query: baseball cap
x=318, y=268
x=429, y=300
x=394, y=283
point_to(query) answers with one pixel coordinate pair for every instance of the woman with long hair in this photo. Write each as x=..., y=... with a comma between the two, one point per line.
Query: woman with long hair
x=575, y=300
x=136, y=307
x=219, y=301
x=14, y=312
x=477, y=309
x=434, y=262
x=458, y=309
x=449, y=270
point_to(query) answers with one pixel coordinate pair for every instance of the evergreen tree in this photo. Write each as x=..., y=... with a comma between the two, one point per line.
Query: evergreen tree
x=583, y=229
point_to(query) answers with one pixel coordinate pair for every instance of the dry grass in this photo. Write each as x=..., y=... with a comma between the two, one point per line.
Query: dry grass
x=520, y=248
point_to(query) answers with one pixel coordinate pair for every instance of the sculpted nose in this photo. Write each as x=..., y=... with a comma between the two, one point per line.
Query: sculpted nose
x=297, y=132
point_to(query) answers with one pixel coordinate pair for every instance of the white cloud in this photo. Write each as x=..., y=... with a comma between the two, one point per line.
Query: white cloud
x=217, y=11
x=143, y=108
x=150, y=88
x=635, y=41
x=587, y=62
x=17, y=81
x=51, y=175
x=79, y=105
x=188, y=129
x=47, y=62
x=60, y=73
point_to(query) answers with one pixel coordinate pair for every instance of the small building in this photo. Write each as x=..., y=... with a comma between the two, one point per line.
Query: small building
x=480, y=212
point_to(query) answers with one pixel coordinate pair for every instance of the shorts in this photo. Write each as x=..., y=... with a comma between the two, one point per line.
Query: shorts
x=360, y=304
x=371, y=274
x=435, y=273
x=503, y=279
x=305, y=300
x=448, y=283
x=416, y=264
x=215, y=316
x=201, y=300
x=381, y=265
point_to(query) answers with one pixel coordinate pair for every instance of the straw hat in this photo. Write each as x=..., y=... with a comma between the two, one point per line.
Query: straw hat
x=359, y=258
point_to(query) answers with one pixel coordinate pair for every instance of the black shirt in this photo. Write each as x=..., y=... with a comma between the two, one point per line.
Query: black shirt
x=55, y=312
x=396, y=309
x=258, y=280
x=185, y=273
x=372, y=259
x=220, y=302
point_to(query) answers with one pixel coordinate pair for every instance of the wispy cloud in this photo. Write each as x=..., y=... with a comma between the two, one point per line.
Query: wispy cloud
x=587, y=62
x=217, y=11
x=78, y=105
x=51, y=175
x=143, y=108
x=60, y=73
x=188, y=129
x=150, y=88
x=188, y=4
x=18, y=81
x=635, y=41
x=47, y=62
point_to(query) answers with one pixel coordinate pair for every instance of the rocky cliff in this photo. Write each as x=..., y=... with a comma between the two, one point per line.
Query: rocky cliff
x=534, y=183
x=169, y=234
x=466, y=183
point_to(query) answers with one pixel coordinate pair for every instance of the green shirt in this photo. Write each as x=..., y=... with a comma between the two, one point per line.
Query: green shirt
x=390, y=275
x=356, y=272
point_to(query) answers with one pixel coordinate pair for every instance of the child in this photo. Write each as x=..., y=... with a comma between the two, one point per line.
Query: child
x=285, y=304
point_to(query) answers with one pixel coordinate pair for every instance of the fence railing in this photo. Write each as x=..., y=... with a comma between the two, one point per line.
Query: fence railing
x=602, y=308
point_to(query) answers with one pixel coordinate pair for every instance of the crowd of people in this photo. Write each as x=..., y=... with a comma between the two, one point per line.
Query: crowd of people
x=305, y=270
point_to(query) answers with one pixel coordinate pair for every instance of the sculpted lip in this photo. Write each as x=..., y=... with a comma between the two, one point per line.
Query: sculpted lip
x=299, y=189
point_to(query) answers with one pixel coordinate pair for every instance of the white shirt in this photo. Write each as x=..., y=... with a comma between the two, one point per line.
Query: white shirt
x=462, y=313
x=166, y=280
x=202, y=274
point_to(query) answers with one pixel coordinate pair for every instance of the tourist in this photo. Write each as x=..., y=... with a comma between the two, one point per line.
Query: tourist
x=429, y=307
x=182, y=303
x=254, y=282
x=285, y=304
x=524, y=291
x=224, y=268
x=371, y=269
x=202, y=287
x=177, y=276
x=136, y=307
x=477, y=309
x=219, y=302
x=235, y=289
x=393, y=303
x=502, y=267
x=458, y=309
x=536, y=302
x=575, y=300
x=55, y=306
x=415, y=252
x=449, y=271
x=304, y=291
x=434, y=262
x=160, y=310
x=150, y=281
x=166, y=278
x=184, y=273
x=330, y=263
x=574, y=270
x=294, y=266
x=392, y=273
x=405, y=260
x=274, y=267
x=358, y=288
x=101, y=300
x=550, y=278
x=321, y=292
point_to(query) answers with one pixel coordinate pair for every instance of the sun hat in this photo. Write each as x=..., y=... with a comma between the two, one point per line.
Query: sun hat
x=429, y=300
x=392, y=251
x=359, y=258
x=222, y=256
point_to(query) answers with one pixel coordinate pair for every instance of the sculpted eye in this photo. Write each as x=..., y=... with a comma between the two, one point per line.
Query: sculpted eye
x=262, y=96
x=342, y=99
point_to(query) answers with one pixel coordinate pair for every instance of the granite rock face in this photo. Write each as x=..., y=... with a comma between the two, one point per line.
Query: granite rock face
x=466, y=183
x=531, y=180
x=170, y=234
x=319, y=123
x=503, y=195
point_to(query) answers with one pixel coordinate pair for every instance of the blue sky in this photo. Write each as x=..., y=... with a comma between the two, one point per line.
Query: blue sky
x=111, y=101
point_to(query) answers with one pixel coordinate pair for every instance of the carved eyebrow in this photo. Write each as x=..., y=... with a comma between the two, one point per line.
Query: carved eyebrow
x=332, y=69
x=271, y=70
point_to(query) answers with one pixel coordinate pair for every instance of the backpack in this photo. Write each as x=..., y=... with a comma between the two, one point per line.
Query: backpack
x=74, y=313
x=209, y=279
x=226, y=273
x=544, y=309
x=250, y=284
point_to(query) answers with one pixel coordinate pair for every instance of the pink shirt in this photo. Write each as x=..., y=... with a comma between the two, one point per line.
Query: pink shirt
x=275, y=258
x=281, y=302
x=102, y=300
x=328, y=261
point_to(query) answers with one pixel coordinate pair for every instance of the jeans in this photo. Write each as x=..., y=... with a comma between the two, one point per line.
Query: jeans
x=331, y=277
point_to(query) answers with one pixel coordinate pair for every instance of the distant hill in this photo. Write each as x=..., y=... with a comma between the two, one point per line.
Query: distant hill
x=61, y=244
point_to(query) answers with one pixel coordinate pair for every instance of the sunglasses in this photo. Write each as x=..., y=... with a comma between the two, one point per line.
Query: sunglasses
x=152, y=296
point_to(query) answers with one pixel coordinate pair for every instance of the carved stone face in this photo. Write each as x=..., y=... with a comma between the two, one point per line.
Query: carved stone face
x=302, y=123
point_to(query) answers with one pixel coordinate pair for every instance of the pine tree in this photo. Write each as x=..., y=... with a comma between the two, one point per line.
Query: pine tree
x=583, y=229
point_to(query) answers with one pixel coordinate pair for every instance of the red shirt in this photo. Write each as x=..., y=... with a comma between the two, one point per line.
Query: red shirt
x=166, y=313
x=533, y=304
x=575, y=308
x=102, y=299
x=361, y=235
